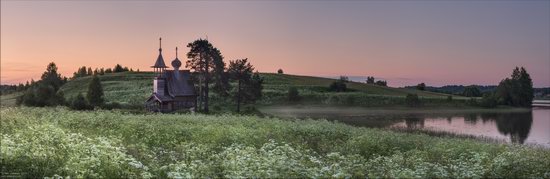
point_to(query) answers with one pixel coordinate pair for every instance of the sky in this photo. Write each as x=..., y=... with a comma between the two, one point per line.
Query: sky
x=403, y=42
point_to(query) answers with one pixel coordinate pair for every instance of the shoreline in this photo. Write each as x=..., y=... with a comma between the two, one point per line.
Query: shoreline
x=324, y=109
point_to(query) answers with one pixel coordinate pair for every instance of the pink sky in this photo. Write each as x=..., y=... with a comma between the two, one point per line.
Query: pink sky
x=439, y=43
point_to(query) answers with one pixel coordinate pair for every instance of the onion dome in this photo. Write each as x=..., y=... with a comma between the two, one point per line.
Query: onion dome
x=176, y=63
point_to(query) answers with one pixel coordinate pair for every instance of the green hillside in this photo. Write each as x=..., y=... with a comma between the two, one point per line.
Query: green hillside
x=283, y=81
x=9, y=99
x=127, y=88
x=132, y=88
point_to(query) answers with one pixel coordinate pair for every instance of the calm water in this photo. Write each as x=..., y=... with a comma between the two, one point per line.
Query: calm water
x=525, y=127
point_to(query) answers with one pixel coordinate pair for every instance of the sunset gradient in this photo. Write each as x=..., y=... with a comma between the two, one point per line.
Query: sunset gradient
x=404, y=42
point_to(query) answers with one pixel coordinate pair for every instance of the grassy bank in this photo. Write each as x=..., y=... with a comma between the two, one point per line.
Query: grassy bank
x=39, y=142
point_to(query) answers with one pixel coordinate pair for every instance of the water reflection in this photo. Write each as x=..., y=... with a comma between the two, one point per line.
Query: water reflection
x=532, y=127
x=414, y=122
x=515, y=125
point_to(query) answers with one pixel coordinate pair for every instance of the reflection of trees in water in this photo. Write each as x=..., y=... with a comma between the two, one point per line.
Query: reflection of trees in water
x=517, y=125
x=414, y=121
x=470, y=119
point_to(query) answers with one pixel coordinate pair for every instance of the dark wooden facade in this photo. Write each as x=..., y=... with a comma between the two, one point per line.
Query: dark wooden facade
x=172, y=89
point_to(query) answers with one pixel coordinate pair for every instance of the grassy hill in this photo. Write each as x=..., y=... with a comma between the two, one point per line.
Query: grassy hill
x=9, y=99
x=132, y=88
x=127, y=88
x=283, y=81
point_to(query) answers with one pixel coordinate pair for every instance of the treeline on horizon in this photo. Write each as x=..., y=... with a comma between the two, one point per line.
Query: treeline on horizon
x=517, y=91
x=45, y=92
x=80, y=72
x=478, y=90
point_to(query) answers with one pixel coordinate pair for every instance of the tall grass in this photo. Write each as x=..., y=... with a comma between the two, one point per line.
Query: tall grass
x=38, y=142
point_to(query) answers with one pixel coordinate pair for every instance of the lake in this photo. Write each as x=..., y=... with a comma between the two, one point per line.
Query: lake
x=523, y=126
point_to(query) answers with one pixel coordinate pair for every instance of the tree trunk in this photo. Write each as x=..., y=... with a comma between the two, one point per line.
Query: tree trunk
x=239, y=97
x=206, y=86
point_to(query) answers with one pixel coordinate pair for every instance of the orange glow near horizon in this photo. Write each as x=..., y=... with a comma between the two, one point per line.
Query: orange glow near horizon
x=403, y=42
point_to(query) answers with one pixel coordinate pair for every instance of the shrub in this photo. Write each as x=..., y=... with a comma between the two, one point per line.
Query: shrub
x=381, y=83
x=338, y=86
x=421, y=86
x=489, y=100
x=293, y=94
x=412, y=100
x=80, y=103
x=344, y=78
x=472, y=102
x=449, y=98
x=471, y=91
x=41, y=95
x=280, y=71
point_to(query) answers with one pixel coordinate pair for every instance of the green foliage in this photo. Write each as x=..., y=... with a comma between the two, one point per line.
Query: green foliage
x=517, y=90
x=80, y=103
x=241, y=71
x=338, y=86
x=412, y=100
x=207, y=61
x=471, y=91
x=473, y=102
x=344, y=78
x=489, y=100
x=46, y=142
x=370, y=80
x=81, y=72
x=421, y=86
x=45, y=92
x=381, y=83
x=293, y=94
x=220, y=77
x=118, y=68
x=256, y=85
x=95, y=92
x=51, y=77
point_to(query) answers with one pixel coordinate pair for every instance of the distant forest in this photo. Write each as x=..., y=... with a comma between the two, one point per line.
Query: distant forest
x=459, y=90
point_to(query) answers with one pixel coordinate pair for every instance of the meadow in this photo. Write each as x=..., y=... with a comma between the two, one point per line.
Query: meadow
x=39, y=142
x=130, y=89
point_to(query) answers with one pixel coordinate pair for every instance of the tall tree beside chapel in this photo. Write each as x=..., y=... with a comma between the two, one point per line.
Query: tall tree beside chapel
x=206, y=61
x=241, y=71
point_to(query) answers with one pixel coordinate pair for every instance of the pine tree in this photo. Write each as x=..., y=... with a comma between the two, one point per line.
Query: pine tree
x=526, y=84
x=241, y=71
x=207, y=62
x=95, y=92
x=118, y=68
x=51, y=77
